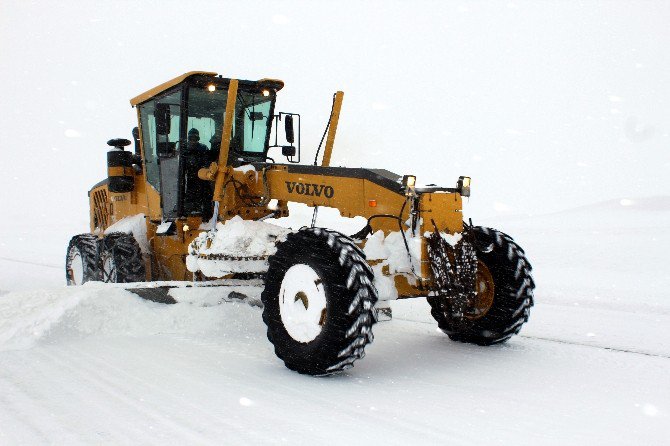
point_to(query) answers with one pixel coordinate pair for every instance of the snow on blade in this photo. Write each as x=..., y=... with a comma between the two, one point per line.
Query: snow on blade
x=236, y=238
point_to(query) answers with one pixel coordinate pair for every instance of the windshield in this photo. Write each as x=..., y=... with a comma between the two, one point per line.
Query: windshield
x=252, y=121
x=252, y=117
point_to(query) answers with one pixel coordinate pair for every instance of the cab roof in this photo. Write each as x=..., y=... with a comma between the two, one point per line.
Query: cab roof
x=274, y=83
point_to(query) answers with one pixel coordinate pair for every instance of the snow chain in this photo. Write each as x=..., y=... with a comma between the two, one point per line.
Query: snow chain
x=230, y=258
x=454, y=273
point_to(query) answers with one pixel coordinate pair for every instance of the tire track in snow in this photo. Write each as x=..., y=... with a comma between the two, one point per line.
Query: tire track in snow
x=46, y=265
x=562, y=341
x=91, y=378
x=30, y=403
x=16, y=405
x=285, y=392
x=281, y=391
x=601, y=347
x=190, y=381
x=118, y=377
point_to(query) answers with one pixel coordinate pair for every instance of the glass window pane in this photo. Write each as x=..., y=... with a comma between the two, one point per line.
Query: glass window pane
x=253, y=116
x=255, y=127
x=249, y=134
x=148, y=125
x=206, y=110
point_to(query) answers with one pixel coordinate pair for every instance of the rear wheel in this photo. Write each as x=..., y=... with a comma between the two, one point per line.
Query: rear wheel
x=318, y=302
x=121, y=259
x=81, y=260
x=504, y=288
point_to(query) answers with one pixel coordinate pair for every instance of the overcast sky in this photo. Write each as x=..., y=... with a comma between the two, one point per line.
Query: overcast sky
x=547, y=105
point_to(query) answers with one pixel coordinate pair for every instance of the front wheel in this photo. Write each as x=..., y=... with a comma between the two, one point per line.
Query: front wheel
x=504, y=287
x=318, y=302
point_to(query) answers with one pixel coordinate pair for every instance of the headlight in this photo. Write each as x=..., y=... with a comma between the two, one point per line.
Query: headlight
x=464, y=186
x=408, y=183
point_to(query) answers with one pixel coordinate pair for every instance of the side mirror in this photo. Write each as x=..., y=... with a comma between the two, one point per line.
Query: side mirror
x=288, y=150
x=288, y=127
x=291, y=151
x=162, y=114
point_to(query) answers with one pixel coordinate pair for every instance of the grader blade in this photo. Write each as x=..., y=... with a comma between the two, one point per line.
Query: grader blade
x=203, y=294
x=159, y=294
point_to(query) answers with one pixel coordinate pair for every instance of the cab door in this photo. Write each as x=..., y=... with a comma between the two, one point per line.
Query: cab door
x=161, y=135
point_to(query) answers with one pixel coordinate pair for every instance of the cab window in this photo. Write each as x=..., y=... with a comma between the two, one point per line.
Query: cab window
x=252, y=112
x=206, y=111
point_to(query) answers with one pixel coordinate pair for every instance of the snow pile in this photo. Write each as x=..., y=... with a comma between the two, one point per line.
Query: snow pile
x=392, y=250
x=27, y=316
x=135, y=225
x=235, y=238
x=49, y=316
x=301, y=215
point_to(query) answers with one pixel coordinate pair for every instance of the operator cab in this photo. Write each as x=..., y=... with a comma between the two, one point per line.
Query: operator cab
x=195, y=103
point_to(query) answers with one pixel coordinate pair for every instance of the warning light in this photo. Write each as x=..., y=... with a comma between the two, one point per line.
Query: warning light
x=372, y=203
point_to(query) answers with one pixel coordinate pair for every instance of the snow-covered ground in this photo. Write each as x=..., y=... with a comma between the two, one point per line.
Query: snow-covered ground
x=96, y=364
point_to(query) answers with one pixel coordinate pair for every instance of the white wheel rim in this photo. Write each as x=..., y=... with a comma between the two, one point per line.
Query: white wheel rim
x=108, y=270
x=76, y=269
x=302, y=303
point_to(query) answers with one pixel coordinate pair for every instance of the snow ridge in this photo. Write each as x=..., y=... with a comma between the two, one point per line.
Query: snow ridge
x=54, y=315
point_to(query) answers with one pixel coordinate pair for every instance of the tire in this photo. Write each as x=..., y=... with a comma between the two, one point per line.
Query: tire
x=318, y=302
x=81, y=260
x=505, y=263
x=121, y=259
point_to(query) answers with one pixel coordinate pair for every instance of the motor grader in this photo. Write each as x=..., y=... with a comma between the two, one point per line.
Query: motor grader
x=191, y=204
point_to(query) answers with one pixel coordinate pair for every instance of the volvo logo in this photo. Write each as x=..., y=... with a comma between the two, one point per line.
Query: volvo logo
x=310, y=189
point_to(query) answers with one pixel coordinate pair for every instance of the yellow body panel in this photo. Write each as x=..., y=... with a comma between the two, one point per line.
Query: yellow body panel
x=351, y=196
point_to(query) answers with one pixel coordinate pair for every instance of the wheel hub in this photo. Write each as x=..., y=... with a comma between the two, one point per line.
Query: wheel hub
x=302, y=303
x=485, y=288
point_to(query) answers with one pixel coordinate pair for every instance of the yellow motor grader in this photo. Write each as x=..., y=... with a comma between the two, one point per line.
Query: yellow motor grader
x=189, y=204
